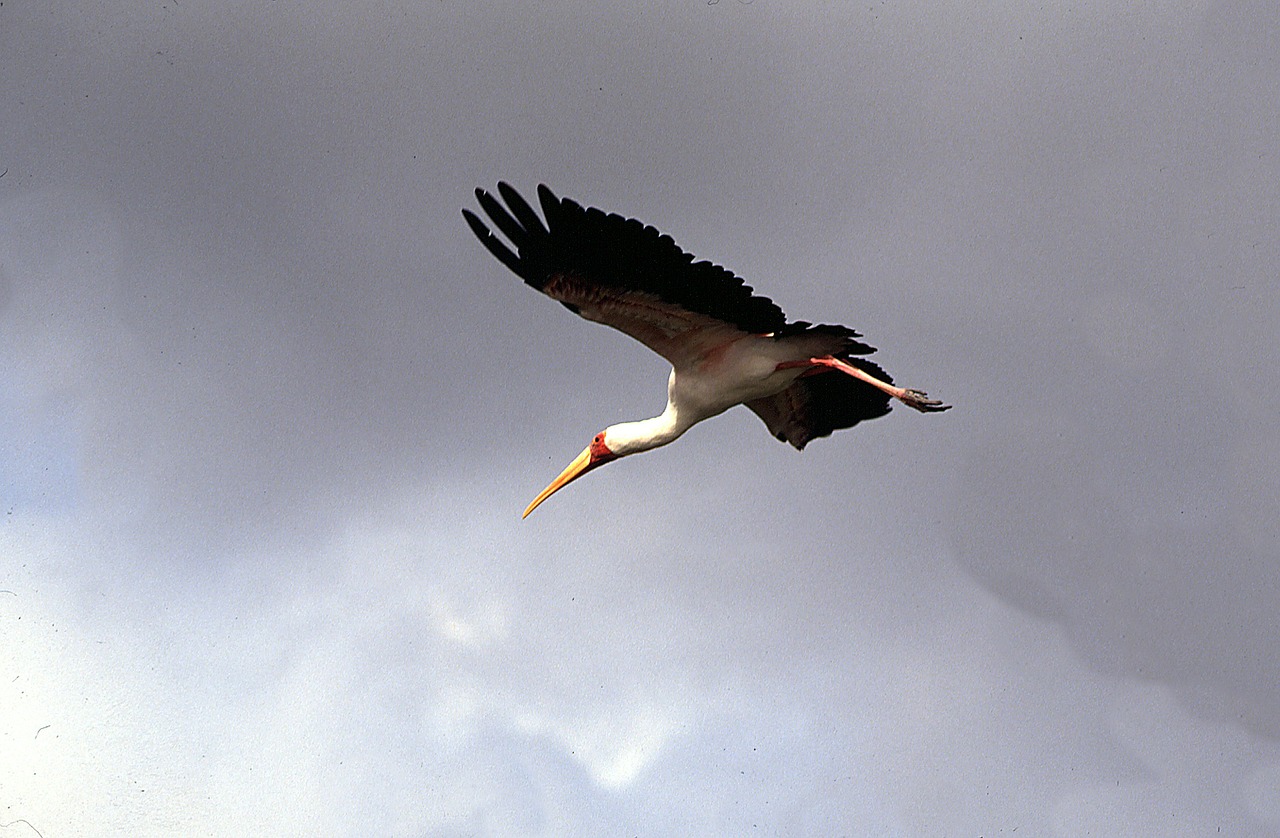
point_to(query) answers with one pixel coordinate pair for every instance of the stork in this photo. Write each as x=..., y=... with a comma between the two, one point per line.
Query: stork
x=726, y=345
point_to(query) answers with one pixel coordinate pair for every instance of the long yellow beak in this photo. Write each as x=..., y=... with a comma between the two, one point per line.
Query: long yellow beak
x=573, y=471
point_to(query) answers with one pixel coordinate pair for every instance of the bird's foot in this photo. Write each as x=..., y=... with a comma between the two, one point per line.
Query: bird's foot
x=920, y=401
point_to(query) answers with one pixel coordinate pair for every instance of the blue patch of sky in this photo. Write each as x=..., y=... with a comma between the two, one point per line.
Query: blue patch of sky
x=39, y=451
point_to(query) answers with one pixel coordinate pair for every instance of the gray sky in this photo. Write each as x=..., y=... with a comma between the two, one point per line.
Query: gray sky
x=270, y=415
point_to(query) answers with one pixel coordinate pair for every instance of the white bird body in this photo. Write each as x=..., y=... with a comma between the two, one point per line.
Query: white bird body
x=726, y=345
x=745, y=369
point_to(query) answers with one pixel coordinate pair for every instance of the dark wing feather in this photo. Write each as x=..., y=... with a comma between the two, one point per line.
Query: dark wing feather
x=815, y=405
x=496, y=247
x=524, y=213
x=502, y=219
x=617, y=271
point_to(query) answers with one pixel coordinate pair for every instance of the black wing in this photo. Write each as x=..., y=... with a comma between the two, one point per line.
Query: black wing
x=619, y=272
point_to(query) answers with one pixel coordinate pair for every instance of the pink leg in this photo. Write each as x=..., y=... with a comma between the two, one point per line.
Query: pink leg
x=911, y=398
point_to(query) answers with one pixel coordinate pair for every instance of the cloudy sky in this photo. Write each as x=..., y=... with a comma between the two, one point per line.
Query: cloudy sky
x=270, y=414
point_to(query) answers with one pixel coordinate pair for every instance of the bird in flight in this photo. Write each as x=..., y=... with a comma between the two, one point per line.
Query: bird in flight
x=726, y=345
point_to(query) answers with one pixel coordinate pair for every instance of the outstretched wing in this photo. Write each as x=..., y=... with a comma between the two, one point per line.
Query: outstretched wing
x=815, y=405
x=621, y=273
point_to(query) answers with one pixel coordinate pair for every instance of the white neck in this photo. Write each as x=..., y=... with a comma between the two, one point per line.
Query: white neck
x=647, y=434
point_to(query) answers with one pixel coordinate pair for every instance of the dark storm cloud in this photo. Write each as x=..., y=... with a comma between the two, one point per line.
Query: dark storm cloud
x=1116, y=504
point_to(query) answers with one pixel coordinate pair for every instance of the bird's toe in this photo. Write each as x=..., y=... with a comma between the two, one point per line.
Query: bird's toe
x=920, y=400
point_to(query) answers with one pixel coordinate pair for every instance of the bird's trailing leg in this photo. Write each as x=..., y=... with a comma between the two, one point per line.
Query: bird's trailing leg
x=917, y=399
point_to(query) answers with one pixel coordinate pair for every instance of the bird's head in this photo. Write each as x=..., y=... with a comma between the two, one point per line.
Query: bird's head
x=596, y=454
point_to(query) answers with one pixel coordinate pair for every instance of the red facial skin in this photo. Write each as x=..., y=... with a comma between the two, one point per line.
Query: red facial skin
x=600, y=453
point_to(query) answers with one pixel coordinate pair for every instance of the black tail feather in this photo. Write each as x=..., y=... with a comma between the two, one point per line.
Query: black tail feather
x=816, y=405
